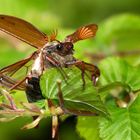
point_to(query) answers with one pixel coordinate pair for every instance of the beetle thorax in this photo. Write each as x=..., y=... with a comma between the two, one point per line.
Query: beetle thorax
x=57, y=54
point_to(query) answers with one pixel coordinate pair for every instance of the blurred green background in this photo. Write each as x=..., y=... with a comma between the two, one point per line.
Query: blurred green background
x=118, y=34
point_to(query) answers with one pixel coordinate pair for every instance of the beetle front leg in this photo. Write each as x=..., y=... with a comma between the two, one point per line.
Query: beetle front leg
x=83, y=66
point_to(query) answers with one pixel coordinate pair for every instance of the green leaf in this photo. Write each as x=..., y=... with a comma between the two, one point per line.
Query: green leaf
x=75, y=96
x=88, y=128
x=119, y=35
x=117, y=72
x=124, y=123
x=122, y=30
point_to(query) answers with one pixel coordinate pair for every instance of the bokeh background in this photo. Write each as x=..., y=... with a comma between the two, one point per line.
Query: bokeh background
x=118, y=35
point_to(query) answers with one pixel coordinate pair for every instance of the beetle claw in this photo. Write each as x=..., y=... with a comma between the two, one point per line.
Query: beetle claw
x=95, y=79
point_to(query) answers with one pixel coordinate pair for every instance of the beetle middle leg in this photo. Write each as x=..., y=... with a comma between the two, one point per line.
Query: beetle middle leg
x=83, y=66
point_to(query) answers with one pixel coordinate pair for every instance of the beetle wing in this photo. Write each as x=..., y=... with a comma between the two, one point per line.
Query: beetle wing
x=23, y=30
x=11, y=69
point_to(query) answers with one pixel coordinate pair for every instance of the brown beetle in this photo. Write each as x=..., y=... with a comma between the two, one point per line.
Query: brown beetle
x=50, y=52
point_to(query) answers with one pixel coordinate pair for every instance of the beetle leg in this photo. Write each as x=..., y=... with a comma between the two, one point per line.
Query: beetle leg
x=83, y=66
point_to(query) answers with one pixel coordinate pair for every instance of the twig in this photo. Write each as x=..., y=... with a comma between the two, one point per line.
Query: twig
x=100, y=56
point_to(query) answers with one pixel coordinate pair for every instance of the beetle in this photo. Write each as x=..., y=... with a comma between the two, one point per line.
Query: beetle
x=50, y=52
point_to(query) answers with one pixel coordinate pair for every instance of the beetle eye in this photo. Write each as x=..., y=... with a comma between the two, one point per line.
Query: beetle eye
x=59, y=47
x=49, y=51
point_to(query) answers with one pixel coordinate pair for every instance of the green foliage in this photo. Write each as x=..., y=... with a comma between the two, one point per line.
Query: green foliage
x=116, y=71
x=118, y=34
x=118, y=27
x=119, y=76
x=88, y=128
x=75, y=97
x=124, y=124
